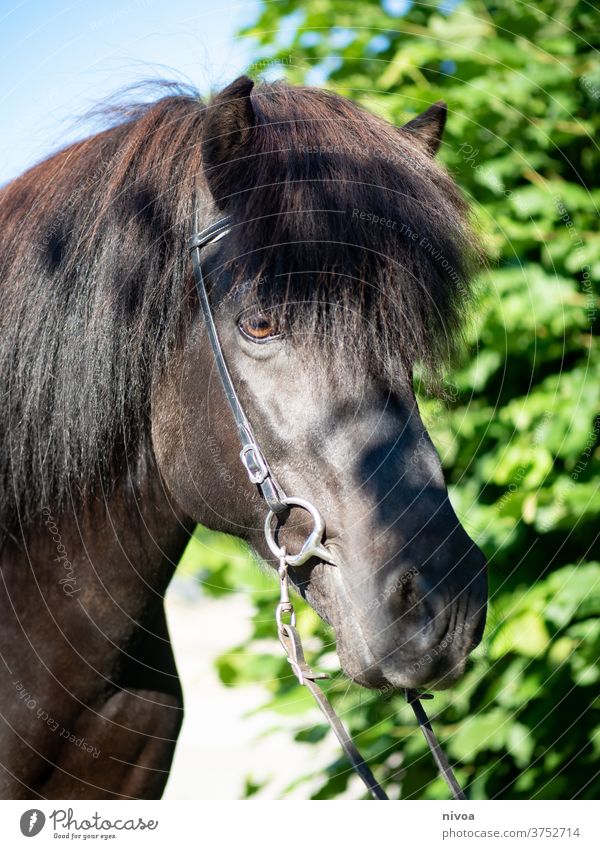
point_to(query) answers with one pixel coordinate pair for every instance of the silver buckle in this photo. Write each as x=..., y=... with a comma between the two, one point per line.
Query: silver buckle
x=255, y=464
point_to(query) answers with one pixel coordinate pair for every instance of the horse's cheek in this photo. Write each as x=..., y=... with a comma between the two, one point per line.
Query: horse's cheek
x=197, y=459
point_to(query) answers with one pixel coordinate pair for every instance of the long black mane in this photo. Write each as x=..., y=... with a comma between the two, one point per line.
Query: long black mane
x=333, y=207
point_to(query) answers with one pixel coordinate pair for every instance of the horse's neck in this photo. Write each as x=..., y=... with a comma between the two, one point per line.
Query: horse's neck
x=117, y=552
x=82, y=624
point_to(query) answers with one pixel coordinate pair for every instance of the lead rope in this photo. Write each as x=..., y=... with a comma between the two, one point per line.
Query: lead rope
x=292, y=645
x=260, y=474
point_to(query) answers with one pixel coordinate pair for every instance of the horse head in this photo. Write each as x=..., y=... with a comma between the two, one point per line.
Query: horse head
x=346, y=266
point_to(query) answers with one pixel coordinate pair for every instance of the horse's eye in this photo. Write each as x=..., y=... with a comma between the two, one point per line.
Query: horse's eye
x=258, y=327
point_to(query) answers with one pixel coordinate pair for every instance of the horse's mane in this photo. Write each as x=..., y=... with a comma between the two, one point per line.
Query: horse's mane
x=95, y=281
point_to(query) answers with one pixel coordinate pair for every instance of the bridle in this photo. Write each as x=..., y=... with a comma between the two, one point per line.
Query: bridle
x=279, y=503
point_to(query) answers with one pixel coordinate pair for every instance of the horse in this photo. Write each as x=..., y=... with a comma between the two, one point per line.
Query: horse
x=348, y=269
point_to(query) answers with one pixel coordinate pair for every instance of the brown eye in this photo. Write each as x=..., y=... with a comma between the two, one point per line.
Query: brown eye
x=258, y=327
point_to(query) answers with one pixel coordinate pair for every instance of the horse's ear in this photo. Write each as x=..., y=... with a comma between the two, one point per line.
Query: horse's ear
x=428, y=127
x=227, y=129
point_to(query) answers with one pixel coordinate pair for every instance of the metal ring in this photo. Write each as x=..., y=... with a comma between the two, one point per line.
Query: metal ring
x=313, y=545
x=279, y=616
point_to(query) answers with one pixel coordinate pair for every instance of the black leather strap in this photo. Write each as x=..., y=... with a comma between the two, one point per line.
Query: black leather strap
x=292, y=645
x=414, y=699
x=251, y=455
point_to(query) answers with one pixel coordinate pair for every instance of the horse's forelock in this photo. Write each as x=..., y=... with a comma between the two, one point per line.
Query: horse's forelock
x=347, y=224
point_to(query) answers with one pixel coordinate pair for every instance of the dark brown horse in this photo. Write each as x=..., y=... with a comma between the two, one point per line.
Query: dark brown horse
x=348, y=264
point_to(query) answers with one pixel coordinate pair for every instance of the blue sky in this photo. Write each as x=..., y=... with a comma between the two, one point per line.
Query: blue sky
x=59, y=58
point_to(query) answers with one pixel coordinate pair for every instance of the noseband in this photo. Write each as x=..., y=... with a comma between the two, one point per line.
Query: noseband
x=260, y=474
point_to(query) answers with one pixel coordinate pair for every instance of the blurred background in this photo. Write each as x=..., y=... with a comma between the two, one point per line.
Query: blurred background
x=518, y=433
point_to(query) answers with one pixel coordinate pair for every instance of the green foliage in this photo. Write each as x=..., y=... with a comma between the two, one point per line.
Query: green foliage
x=519, y=437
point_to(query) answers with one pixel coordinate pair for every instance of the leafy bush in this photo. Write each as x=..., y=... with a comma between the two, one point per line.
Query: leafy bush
x=519, y=437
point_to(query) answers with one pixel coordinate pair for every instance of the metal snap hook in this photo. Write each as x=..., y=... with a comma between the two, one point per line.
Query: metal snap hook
x=313, y=545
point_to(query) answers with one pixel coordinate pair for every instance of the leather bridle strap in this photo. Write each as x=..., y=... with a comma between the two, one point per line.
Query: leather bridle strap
x=359, y=765
x=250, y=455
x=414, y=700
x=292, y=645
x=260, y=474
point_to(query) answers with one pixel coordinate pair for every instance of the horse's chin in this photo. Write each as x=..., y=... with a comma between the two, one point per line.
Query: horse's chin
x=385, y=678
